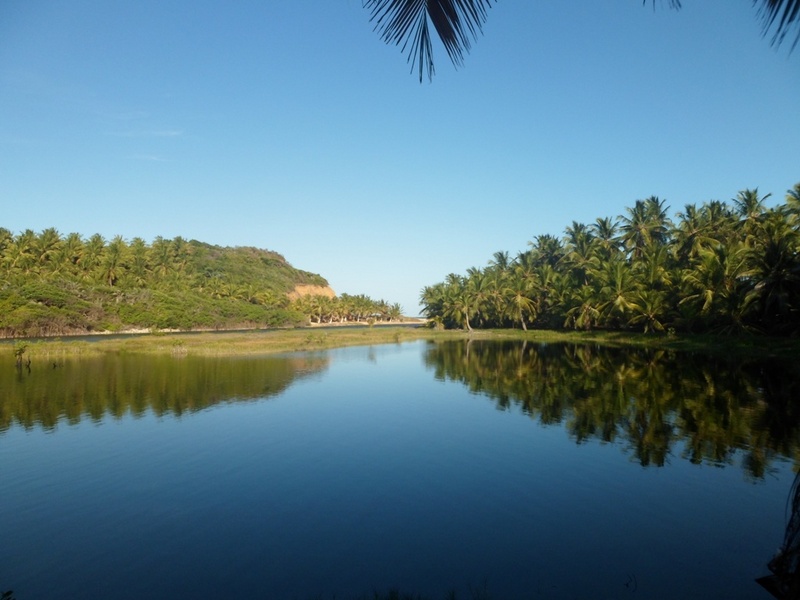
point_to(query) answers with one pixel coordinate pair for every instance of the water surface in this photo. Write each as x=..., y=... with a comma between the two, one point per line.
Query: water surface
x=535, y=471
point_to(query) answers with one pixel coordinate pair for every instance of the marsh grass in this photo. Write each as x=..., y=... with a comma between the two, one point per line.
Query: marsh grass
x=230, y=343
x=309, y=339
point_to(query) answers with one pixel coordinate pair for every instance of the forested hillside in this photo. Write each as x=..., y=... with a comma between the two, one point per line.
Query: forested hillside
x=719, y=267
x=51, y=284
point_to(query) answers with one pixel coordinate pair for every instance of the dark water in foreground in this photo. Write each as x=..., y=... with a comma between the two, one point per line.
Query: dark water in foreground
x=537, y=472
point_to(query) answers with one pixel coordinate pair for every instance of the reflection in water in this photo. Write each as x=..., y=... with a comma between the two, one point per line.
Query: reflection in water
x=116, y=386
x=365, y=480
x=653, y=402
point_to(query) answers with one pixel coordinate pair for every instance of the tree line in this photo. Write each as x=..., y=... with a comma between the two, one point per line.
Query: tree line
x=347, y=308
x=54, y=284
x=719, y=267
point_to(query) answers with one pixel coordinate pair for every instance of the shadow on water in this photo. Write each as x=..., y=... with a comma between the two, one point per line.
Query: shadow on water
x=784, y=583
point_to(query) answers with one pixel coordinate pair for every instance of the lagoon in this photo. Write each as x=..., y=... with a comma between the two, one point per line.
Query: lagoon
x=528, y=471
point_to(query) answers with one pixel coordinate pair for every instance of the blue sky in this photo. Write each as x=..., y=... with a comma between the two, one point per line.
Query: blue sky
x=291, y=126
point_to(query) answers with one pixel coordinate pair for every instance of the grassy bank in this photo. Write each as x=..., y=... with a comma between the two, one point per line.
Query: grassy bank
x=226, y=343
x=291, y=340
x=742, y=346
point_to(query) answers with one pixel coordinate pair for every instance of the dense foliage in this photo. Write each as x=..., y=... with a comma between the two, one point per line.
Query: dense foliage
x=717, y=268
x=52, y=284
x=346, y=308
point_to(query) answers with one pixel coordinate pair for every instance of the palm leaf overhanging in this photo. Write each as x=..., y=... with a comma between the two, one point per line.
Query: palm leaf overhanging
x=406, y=22
x=458, y=22
x=780, y=15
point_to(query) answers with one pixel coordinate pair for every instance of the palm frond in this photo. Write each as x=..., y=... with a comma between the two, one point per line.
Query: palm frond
x=781, y=16
x=457, y=23
x=406, y=22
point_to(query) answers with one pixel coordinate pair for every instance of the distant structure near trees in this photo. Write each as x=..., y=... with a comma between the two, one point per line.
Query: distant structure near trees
x=457, y=23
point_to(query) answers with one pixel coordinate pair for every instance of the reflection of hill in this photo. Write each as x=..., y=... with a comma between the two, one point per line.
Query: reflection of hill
x=134, y=384
x=648, y=400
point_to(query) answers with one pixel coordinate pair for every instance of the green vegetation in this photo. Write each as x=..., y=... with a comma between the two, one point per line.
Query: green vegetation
x=55, y=285
x=226, y=343
x=719, y=269
x=294, y=340
x=347, y=309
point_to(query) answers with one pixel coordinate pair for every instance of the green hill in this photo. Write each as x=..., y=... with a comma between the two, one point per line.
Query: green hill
x=52, y=284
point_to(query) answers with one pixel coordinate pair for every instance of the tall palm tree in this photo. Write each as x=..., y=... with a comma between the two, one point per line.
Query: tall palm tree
x=774, y=261
x=793, y=200
x=546, y=249
x=92, y=254
x=47, y=244
x=70, y=252
x=580, y=253
x=618, y=291
x=501, y=260
x=605, y=233
x=714, y=287
x=139, y=265
x=113, y=259
x=750, y=208
x=519, y=304
x=457, y=23
x=20, y=254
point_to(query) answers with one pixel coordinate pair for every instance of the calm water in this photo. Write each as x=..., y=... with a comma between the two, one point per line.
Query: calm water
x=535, y=472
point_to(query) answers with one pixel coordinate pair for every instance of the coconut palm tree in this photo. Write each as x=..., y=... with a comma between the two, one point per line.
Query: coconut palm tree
x=459, y=301
x=139, y=266
x=501, y=261
x=457, y=23
x=605, y=234
x=580, y=257
x=618, y=291
x=546, y=249
x=46, y=247
x=750, y=208
x=432, y=300
x=793, y=200
x=69, y=253
x=20, y=254
x=112, y=264
x=92, y=254
x=714, y=287
x=519, y=305
x=774, y=261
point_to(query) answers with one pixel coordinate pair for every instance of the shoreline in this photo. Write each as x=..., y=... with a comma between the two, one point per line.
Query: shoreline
x=407, y=322
x=325, y=337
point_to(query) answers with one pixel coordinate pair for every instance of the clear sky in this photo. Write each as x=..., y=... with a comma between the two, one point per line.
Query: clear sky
x=290, y=126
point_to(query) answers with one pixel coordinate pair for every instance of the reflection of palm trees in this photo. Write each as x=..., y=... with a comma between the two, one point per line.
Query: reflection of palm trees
x=784, y=583
x=654, y=403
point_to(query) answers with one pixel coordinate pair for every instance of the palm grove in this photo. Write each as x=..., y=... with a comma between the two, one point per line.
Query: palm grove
x=719, y=267
x=54, y=284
